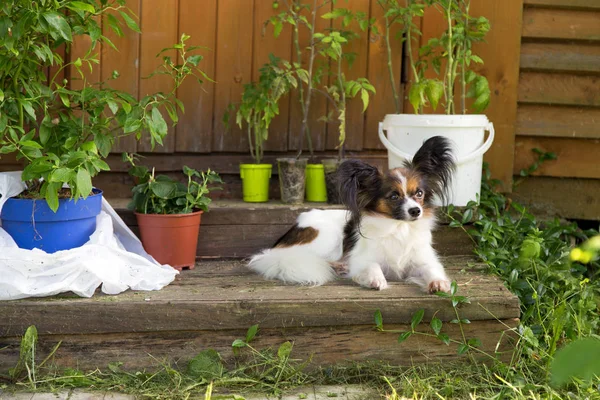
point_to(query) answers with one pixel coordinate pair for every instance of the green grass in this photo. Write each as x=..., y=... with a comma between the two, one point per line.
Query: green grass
x=559, y=304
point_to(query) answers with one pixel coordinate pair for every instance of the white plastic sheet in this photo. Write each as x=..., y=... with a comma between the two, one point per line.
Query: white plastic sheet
x=113, y=257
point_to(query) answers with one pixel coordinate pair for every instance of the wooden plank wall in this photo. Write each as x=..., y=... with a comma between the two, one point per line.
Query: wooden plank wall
x=559, y=87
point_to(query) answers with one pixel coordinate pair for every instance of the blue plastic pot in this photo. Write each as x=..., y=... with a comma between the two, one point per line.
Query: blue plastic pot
x=33, y=225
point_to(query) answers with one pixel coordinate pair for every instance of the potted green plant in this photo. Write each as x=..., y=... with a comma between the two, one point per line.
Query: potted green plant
x=168, y=212
x=63, y=135
x=451, y=57
x=258, y=106
x=324, y=57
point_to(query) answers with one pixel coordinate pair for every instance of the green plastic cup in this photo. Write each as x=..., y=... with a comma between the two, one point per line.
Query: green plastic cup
x=255, y=182
x=315, y=183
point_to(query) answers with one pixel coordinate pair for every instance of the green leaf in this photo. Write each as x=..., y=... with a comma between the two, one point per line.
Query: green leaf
x=238, y=343
x=51, y=195
x=453, y=288
x=415, y=96
x=81, y=6
x=83, y=182
x=158, y=122
x=131, y=24
x=462, y=349
x=114, y=107
x=61, y=175
x=284, y=350
x=364, y=95
x=444, y=338
x=65, y=99
x=114, y=24
x=277, y=28
x=251, y=333
x=417, y=318
x=404, y=336
x=436, y=325
x=195, y=59
x=164, y=189
x=1, y=95
x=378, y=320
x=31, y=143
x=434, y=92
x=578, y=359
x=206, y=365
x=28, y=108
x=58, y=22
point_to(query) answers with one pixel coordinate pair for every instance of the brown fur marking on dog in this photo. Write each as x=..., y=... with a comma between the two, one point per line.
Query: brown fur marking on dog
x=296, y=236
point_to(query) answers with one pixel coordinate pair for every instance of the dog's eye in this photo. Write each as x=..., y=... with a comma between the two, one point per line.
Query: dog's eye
x=419, y=193
x=394, y=196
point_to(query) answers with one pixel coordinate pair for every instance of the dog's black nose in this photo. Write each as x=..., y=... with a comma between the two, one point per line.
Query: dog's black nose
x=414, y=212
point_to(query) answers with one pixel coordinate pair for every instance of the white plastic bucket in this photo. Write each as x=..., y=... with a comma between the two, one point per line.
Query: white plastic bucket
x=406, y=133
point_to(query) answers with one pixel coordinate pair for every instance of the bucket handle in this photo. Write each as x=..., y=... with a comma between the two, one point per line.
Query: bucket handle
x=474, y=154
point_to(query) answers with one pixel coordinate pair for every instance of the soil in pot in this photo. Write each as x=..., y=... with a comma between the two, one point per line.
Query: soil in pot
x=292, y=179
x=331, y=184
x=33, y=225
x=171, y=238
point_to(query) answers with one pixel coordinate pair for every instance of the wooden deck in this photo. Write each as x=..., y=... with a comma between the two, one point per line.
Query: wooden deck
x=215, y=303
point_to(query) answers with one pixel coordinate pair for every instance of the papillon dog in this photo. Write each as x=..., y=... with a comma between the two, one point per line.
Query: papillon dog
x=385, y=232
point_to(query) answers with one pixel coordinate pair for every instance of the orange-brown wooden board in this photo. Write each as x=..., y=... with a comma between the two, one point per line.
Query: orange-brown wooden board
x=355, y=118
x=235, y=23
x=265, y=44
x=561, y=57
x=576, y=158
x=548, y=23
x=589, y=4
x=159, y=30
x=556, y=88
x=126, y=62
x=82, y=48
x=382, y=102
x=558, y=121
x=318, y=106
x=194, y=130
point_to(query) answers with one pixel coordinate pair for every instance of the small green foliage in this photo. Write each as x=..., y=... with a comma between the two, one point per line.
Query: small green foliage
x=578, y=359
x=207, y=365
x=161, y=194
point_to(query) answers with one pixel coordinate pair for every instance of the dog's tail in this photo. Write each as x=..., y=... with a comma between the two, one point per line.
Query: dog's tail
x=292, y=265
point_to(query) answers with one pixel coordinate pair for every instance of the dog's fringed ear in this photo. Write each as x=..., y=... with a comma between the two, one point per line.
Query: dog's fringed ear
x=435, y=162
x=358, y=184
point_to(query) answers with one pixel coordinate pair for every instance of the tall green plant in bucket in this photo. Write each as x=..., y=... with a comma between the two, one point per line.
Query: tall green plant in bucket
x=258, y=106
x=455, y=85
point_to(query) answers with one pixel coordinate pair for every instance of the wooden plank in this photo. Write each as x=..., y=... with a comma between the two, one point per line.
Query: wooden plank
x=547, y=196
x=382, y=102
x=554, y=88
x=79, y=48
x=500, y=53
x=323, y=346
x=558, y=121
x=575, y=4
x=577, y=158
x=159, y=27
x=559, y=57
x=126, y=63
x=235, y=23
x=230, y=302
x=319, y=105
x=355, y=118
x=229, y=163
x=264, y=44
x=547, y=23
x=194, y=130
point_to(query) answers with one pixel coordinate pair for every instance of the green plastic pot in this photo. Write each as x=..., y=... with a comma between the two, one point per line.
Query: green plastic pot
x=255, y=182
x=316, y=190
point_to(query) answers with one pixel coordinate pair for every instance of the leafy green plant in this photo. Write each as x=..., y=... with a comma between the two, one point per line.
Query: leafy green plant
x=161, y=194
x=327, y=49
x=260, y=103
x=450, y=56
x=63, y=134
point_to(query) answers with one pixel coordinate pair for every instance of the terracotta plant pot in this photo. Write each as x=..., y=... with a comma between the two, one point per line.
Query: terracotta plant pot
x=331, y=165
x=292, y=179
x=171, y=238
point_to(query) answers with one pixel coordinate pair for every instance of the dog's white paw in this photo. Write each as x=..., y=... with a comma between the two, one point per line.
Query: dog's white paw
x=439, y=286
x=372, y=278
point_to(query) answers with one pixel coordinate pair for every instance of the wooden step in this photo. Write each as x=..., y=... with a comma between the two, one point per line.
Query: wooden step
x=234, y=229
x=214, y=304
